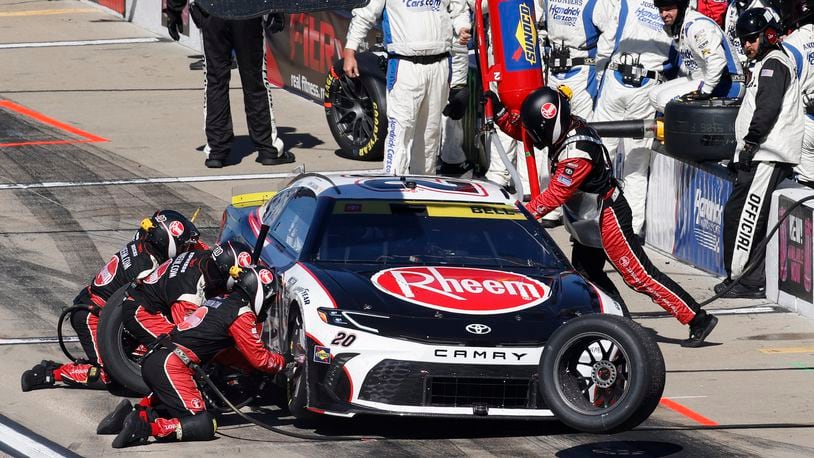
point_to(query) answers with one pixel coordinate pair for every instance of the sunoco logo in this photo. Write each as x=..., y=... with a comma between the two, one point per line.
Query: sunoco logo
x=462, y=290
x=526, y=34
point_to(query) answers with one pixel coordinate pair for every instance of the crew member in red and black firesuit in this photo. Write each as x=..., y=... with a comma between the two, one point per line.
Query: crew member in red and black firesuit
x=175, y=409
x=160, y=237
x=581, y=167
x=178, y=287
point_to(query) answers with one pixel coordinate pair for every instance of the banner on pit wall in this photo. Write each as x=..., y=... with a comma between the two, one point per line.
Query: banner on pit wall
x=660, y=215
x=699, y=222
x=300, y=56
x=795, y=250
x=115, y=5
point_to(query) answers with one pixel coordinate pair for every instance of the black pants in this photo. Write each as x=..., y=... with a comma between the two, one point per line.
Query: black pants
x=245, y=37
x=745, y=216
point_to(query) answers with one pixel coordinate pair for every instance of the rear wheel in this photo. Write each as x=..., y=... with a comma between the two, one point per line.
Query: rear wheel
x=602, y=374
x=356, y=109
x=116, y=346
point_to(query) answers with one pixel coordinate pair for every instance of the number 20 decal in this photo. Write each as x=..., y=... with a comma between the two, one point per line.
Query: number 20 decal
x=343, y=339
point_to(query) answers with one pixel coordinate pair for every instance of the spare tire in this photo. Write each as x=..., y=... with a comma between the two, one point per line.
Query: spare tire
x=356, y=108
x=116, y=346
x=701, y=130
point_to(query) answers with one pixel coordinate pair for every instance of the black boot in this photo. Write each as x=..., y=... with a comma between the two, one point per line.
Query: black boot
x=135, y=431
x=274, y=158
x=700, y=327
x=114, y=421
x=39, y=376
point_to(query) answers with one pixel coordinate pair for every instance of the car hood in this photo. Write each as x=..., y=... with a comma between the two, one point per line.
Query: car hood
x=447, y=304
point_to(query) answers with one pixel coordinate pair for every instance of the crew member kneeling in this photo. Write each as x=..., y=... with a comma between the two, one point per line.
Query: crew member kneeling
x=582, y=181
x=175, y=409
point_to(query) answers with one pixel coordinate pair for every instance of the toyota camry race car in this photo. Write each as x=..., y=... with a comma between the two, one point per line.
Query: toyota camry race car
x=439, y=297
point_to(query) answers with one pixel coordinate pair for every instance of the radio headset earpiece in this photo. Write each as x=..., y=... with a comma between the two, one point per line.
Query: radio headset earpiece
x=772, y=36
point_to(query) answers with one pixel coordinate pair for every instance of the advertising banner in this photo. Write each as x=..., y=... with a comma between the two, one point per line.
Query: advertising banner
x=699, y=223
x=795, y=250
x=660, y=217
x=300, y=56
x=115, y=5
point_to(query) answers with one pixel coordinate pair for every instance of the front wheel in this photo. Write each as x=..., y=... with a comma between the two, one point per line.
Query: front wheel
x=297, y=380
x=602, y=374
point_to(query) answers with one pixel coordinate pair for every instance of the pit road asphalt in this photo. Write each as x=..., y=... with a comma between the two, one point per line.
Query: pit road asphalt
x=95, y=137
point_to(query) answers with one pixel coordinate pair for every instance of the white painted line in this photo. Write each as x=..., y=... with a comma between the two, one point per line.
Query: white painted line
x=743, y=311
x=36, y=340
x=164, y=180
x=55, y=44
x=24, y=444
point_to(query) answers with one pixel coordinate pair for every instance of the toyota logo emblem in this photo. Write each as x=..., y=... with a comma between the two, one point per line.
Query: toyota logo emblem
x=478, y=328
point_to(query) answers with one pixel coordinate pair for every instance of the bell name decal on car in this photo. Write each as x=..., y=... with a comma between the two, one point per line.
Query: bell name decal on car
x=462, y=290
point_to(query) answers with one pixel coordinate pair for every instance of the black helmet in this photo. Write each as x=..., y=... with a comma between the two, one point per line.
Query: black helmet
x=761, y=23
x=259, y=286
x=546, y=115
x=231, y=254
x=681, y=4
x=169, y=232
x=795, y=13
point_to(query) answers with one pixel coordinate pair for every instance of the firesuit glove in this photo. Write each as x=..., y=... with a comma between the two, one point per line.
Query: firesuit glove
x=175, y=25
x=274, y=23
x=457, y=102
x=695, y=95
x=746, y=154
x=497, y=106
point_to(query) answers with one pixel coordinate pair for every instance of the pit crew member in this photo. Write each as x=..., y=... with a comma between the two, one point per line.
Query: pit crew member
x=769, y=129
x=418, y=38
x=798, y=15
x=175, y=409
x=163, y=235
x=178, y=287
x=708, y=63
x=596, y=212
x=642, y=55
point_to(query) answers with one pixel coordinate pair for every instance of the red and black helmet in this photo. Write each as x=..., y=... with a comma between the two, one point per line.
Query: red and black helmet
x=230, y=254
x=546, y=115
x=258, y=285
x=170, y=233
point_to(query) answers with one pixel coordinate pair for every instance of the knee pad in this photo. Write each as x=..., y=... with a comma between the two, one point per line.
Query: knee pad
x=200, y=427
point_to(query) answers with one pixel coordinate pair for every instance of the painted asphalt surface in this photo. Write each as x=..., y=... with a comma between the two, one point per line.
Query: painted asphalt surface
x=94, y=137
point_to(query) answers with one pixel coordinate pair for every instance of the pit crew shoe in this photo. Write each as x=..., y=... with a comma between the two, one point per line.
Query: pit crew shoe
x=135, y=431
x=114, y=421
x=275, y=159
x=700, y=327
x=740, y=291
x=720, y=287
x=39, y=377
x=214, y=163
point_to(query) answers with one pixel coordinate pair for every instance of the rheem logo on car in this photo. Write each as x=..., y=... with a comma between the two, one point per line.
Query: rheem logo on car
x=462, y=290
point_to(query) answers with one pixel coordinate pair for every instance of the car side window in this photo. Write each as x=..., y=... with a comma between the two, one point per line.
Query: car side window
x=291, y=227
x=276, y=205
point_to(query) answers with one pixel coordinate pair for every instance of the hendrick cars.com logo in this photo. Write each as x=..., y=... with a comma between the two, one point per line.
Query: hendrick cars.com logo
x=462, y=290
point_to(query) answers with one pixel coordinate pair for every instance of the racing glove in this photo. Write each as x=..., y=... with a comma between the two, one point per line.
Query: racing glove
x=457, y=102
x=175, y=25
x=507, y=121
x=695, y=95
x=746, y=154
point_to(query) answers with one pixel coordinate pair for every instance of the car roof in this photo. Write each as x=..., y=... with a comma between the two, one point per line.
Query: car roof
x=410, y=187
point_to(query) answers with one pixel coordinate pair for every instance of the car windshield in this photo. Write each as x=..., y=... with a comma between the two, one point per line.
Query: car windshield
x=404, y=232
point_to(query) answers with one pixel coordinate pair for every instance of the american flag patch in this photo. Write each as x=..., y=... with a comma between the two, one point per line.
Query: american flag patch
x=767, y=72
x=564, y=180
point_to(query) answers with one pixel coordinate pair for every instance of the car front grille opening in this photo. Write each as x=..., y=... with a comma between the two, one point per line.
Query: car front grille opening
x=494, y=392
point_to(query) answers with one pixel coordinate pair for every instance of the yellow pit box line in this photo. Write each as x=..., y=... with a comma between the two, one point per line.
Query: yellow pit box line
x=252, y=199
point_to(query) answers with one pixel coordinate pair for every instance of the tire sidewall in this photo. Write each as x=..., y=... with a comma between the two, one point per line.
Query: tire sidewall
x=120, y=368
x=644, y=366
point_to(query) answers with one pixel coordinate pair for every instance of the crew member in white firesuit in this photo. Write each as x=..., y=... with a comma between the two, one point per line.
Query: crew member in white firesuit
x=642, y=55
x=175, y=409
x=179, y=286
x=769, y=130
x=799, y=16
x=418, y=38
x=708, y=63
x=733, y=11
x=580, y=37
x=169, y=232
x=582, y=181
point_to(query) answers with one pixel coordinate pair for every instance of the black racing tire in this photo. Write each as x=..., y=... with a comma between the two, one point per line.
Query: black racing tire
x=601, y=374
x=701, y=130
x=115, y=346
x=297, y=382
x=356, y=109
